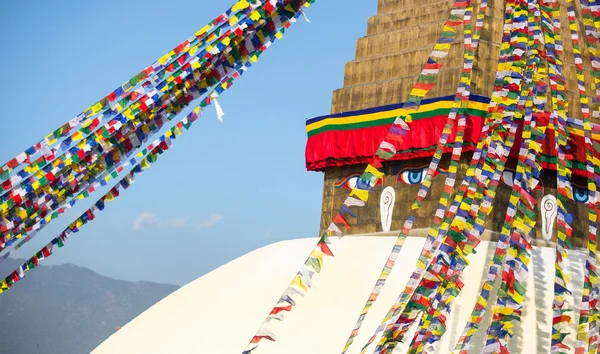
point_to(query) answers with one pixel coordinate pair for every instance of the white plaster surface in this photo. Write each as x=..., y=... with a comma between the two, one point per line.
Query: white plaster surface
x=221, y=311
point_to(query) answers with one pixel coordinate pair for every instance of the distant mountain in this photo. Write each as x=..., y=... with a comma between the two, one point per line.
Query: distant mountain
x=68, y=309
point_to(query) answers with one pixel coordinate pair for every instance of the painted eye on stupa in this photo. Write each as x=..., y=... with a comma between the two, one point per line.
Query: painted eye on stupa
x=580, y=194
x=348, y=182
x=351, y=181
x=412, y=177
x=508, y=178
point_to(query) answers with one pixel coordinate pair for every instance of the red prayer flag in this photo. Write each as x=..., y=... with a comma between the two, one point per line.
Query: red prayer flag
x=6, y=185
x=12, y=163
x=17, y=199
x=325, y=249
x=277, y=310
x=340, y=219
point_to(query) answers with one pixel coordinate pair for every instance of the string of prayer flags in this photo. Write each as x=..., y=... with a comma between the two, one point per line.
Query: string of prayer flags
x=461, y=98
x=130, y=148
x=589, y=330
x=520, y=219
x=551, y=29
x=205, y=35
x=299, y=286
x=434, y=234
x=54, y=172
x=195, y=92
x=405, y=315
x=461, y=262
x=282, y=15
x=588, y=315
x=539, y=91
x=99, y=205
x=386, y=149
x=80, y=155
x=104, y=132
x=104, y=178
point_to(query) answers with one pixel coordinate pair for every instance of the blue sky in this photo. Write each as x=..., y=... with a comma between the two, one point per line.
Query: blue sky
x=225, y=188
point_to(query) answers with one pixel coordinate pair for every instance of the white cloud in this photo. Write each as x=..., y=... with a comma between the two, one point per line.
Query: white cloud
x=146, y=220
x=151, y=220
x=178, y=222
x=212, y=220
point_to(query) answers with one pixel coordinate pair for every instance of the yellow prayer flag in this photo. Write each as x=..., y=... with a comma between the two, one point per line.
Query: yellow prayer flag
x=201, y=32
x=442, y=47
x=507, y=311
x=240, y=5
x=164, y=59
x=372, y=170
x=418, y=92
x=299, y=282
x=96, y=108
x=459, y=223
x=360, y=194
x=128, y=114
x=255, y=16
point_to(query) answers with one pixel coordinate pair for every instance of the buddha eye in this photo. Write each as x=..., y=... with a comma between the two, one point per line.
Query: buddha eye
x=348, y=182
x=580, y=194
x=412, y=177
